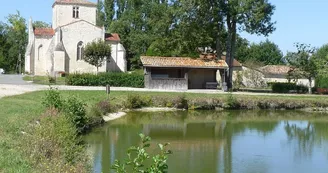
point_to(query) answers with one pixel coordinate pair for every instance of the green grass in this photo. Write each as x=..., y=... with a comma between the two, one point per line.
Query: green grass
x=44, y=80
x=19, y=111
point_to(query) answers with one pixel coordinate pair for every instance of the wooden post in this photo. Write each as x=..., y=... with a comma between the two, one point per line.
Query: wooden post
x=108, y=91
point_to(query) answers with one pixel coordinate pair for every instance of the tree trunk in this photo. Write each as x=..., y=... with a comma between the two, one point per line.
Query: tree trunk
x=310, y=85
x=231, y=44
x=97, y=70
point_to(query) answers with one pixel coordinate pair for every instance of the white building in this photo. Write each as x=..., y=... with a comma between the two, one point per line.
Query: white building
x=59, y=49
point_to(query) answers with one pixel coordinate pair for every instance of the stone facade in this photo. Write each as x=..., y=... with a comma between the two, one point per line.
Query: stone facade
x=59, y=49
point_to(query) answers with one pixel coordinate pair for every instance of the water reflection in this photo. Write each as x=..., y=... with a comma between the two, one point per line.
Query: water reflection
x=218, y=141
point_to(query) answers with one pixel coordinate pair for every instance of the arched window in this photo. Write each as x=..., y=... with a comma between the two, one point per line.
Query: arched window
x=40, y=51
x=80, y=50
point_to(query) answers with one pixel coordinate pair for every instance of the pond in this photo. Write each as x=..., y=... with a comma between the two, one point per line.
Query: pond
x=215, y=141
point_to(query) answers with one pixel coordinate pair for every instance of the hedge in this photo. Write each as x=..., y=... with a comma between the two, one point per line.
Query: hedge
x=103, y=79
x=288, y=87
x=321, y=82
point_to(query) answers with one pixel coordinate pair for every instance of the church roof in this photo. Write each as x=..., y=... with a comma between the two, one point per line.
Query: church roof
x=44, y=32
x=112, y=37
x=75, y=2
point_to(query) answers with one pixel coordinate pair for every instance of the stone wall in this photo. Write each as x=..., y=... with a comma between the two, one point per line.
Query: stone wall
x=63, y=14
x=72, y=35
x=168, y=84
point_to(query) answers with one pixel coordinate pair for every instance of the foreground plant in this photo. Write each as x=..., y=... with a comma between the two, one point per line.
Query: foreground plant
x=137, y=163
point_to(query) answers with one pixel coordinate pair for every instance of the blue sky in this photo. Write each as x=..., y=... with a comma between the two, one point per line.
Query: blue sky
x=302, y=21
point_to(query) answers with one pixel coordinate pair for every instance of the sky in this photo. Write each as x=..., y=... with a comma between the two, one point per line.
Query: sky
x=298, y=21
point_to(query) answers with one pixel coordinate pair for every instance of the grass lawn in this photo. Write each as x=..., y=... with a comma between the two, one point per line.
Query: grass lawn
x=18, y=111
x=44, y=80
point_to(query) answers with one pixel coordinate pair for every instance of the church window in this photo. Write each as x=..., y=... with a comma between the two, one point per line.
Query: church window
x=75, y=12
x=39, y=51
x=80, y=51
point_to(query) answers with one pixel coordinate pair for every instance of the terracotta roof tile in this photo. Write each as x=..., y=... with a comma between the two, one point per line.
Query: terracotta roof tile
x=275, y=69
x=154, y=61
x=112, y=37
x=44, y=32
x=235, y=63
x=75, y=2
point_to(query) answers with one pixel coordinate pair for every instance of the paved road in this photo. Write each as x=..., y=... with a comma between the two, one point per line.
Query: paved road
x=12, y=79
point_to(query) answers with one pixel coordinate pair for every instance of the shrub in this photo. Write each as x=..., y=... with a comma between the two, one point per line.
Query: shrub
x=137, y=101
x=181, y=102
x=288, y=87
x=53, y=99
x=137, y=164
x=104, y=107
x=75, y=111
x=102, y=79
x=54, y=146
x=232, y=102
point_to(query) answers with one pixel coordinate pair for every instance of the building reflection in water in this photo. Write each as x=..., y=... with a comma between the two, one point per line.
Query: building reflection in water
x=217, y=146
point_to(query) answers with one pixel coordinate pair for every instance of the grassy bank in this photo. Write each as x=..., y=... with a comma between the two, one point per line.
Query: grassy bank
x=19, y=112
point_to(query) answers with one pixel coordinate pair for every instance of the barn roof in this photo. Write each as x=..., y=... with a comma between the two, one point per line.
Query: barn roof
x=185, y=62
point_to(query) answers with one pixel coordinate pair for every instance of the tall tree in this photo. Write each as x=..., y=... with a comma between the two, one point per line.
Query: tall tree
x=17, y=39
x=303, y=62
x=321, y=59
x=101, y=18
x=109, y=7
x=265, y=52
x=252, y=16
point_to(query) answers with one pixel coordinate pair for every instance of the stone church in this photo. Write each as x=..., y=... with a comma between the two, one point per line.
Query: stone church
x=58, y=50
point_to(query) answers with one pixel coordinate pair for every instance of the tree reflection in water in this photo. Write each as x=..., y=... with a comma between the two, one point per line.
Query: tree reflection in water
x=204, y=141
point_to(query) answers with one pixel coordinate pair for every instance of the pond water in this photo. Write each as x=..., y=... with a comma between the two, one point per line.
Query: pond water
x=227, y=142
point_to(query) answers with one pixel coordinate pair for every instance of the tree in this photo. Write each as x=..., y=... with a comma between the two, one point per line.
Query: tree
x=41, y=24
x=16, y=38
x=265, y=52
x=303, y=62
x=252, y=16
x=100, y=14
x=321, y=59
x=109, y=7
x=96, y=52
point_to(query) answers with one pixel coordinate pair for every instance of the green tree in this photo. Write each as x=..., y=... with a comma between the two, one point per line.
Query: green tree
x=41, y=24
x=109, y=6
x=96, y=52
x=100, y=14
x=321, y=60
x=252, y=16
x=16, y=39
x=303, y=62
x=266, y=52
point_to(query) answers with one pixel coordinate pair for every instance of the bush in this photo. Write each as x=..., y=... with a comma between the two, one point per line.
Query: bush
x=232, y=102
x=135, y=80
x=104, y=107
x=75, y=111
x=53, y=99
x=181, y=102
x=138, y=156
x=54, y=146
x=137, y=101
x=288, y=87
